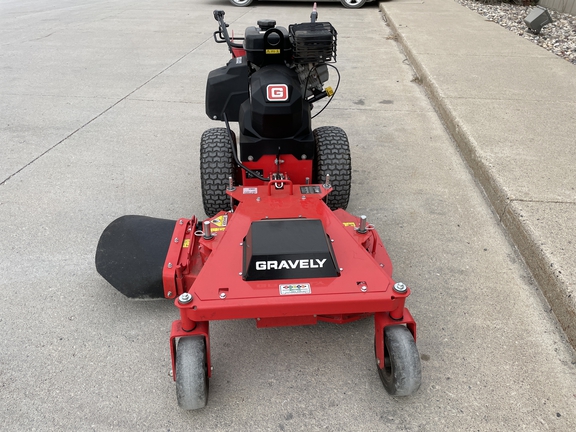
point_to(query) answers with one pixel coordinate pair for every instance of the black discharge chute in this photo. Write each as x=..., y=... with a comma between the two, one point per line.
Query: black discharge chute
x=131, y=253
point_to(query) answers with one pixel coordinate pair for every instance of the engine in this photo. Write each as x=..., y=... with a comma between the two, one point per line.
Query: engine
x=306, y=48
x=303, y=48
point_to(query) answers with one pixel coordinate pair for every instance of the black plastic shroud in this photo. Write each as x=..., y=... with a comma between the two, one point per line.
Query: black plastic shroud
x=288, y=249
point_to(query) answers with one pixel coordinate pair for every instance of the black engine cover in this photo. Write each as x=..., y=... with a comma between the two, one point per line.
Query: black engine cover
x=277, y=107
x=288, y=249
x=226, y=89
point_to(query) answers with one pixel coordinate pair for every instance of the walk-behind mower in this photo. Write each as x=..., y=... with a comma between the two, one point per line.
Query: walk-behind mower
x=277, y=245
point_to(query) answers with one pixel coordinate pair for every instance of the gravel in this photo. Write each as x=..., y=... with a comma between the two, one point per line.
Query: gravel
x=558, y=37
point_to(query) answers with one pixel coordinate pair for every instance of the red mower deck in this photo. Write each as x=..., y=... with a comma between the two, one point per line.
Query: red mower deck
x=364, y=285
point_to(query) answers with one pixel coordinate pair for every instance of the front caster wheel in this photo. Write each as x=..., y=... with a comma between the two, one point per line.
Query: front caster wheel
x=401, y=374
x=191, y=373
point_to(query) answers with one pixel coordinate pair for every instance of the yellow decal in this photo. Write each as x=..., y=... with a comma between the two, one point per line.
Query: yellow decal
x=220, y=221
x=272, y=51
x=218, y=229
x=186, y=243
x=352, y=224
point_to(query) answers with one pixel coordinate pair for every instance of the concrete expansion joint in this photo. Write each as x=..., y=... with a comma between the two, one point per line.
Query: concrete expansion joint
x=502, y=214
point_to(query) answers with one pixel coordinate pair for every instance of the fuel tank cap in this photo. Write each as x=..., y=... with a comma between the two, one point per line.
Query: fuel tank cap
x=266, y=24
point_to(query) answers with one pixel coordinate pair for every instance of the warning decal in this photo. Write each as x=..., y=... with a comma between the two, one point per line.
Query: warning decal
x=288, y=289
x=220, y=221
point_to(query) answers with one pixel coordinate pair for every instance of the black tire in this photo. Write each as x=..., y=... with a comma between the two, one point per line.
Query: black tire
x=191, y=373
x=333, y=157
x=216, y=166
x=402, y=373
x=351, y=4
x=241, y=3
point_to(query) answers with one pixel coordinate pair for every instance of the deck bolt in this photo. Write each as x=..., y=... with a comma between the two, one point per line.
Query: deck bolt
x=169, y=294
x=181, y=222
x=222, y=295
x=400, y=288
x=185, y=298
x=231, y=184
x=341, y=269
x=364, y=288
x=207, y=231
x=176, y=240
x=378, y=361
x=362, y=228
x=169, y=265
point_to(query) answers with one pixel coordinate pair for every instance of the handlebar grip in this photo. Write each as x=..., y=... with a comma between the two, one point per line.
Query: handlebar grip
x=218, y=14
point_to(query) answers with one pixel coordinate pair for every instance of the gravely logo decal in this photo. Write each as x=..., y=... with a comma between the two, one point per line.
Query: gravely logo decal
x=277, y=92
x=289, y=264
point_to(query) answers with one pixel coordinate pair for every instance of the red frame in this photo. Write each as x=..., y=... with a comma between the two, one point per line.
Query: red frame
x=299, y=169
x=210, y=270
x=237, y=52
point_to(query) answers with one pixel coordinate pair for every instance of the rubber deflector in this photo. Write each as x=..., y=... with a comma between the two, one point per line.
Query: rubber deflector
x=131, y=253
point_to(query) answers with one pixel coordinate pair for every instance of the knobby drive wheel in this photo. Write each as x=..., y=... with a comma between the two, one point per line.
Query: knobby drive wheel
x=401, y=374
x=333, y=157
x=216, y=166
x=191, y=373
x=351, y=4
x=241, y=3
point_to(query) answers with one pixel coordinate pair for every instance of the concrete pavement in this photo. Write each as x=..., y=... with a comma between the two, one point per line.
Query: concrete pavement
x=511, y=107
x=101, y=111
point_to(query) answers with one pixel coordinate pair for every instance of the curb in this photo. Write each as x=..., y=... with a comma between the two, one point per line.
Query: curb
x=524, y=238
